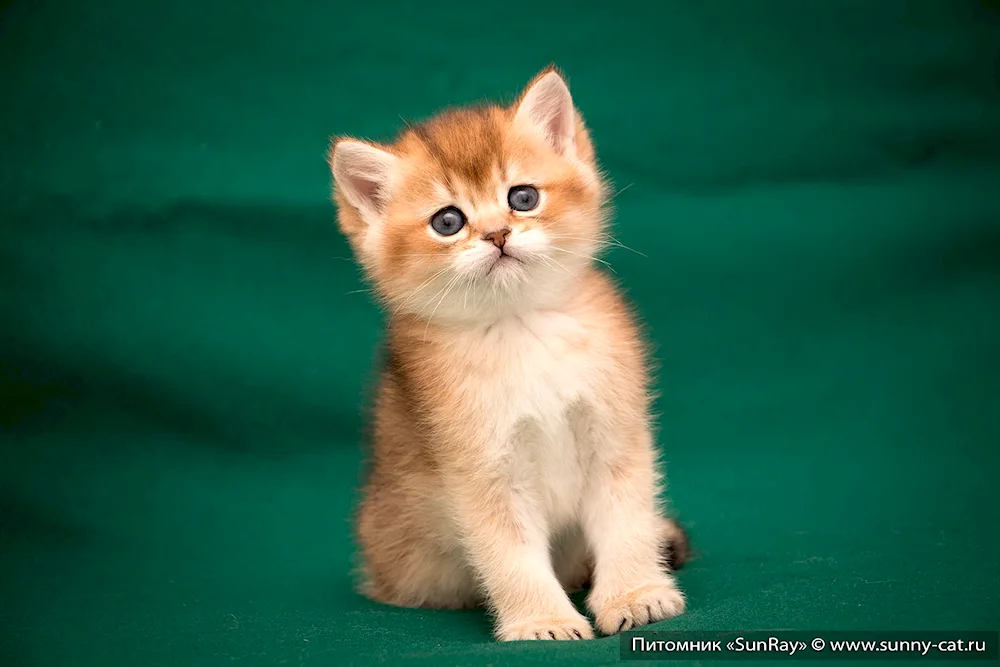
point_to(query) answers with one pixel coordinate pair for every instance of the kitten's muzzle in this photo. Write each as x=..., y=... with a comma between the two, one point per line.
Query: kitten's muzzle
x=499, y=237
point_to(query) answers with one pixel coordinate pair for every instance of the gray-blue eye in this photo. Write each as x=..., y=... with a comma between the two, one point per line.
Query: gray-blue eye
x=522, y=198
x=448, y=221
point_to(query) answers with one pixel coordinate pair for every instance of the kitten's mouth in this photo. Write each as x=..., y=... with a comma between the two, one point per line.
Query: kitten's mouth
x=502, y=260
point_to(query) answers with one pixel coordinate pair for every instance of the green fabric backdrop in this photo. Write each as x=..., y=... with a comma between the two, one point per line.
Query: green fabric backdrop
x=184, y=353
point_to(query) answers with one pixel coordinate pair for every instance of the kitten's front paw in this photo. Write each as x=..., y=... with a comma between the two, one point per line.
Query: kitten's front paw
x=638, y=607
x=547, y=627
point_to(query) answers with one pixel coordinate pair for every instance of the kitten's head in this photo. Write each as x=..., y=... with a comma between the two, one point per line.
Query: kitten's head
x=479, y=212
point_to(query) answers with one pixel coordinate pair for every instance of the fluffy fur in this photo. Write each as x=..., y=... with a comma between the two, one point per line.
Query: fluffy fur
x=513, y=454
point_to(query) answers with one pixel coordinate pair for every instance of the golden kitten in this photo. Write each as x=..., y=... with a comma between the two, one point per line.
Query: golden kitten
x=513, y=452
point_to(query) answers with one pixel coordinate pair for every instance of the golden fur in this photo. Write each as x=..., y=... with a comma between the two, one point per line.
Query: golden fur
x=513, y=454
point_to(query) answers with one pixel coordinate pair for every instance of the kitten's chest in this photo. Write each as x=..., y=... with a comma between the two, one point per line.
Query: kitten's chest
x=534, y=370
x=532, y=383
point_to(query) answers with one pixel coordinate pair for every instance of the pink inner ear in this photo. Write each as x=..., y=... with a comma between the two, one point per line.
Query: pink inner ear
x=369, y=191
x=549, y=106
x=558, y=124
x=363, y=172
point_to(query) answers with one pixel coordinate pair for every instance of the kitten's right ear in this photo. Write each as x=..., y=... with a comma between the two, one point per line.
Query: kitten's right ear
x=362, y=173
x=547, y=106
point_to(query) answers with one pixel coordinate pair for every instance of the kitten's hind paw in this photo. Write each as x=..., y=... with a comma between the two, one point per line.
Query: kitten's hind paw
x=547, y=627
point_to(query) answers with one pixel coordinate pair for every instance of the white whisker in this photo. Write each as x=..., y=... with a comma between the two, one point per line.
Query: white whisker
x=621, y=191
x=413, y=294
x=550, y=261
x=447, y=289
x=607, y=241
x=625, y=247
x=587, y=257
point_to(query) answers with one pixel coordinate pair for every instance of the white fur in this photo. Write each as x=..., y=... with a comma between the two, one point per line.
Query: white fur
x=529, y=404
x=548, y=433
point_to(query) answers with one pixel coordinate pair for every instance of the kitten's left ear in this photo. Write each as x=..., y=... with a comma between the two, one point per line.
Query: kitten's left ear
x=547, y=106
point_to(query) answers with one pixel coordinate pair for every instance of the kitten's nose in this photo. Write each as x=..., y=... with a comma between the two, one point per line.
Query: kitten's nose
x=498, y=237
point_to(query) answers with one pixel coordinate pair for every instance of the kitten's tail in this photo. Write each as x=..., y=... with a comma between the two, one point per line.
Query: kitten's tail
x=675, y=548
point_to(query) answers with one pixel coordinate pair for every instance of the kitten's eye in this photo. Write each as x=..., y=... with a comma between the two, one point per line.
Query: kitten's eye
x=522, y=198
x=448, y=221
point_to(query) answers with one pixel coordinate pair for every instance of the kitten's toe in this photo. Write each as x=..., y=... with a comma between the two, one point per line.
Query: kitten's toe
x=547, y=628
x=640, y=606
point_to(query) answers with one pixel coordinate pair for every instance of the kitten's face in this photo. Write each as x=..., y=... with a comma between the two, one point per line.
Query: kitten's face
x=479, y=212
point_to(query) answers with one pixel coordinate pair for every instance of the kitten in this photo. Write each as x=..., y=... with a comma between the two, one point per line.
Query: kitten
x=513, y=453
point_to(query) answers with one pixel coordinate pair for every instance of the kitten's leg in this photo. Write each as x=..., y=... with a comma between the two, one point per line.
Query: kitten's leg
x=406, y=561
x=508, y=546
x=422, y=577
x=624, y=526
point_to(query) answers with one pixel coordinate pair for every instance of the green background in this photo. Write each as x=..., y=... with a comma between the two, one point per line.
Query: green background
x=184, y=354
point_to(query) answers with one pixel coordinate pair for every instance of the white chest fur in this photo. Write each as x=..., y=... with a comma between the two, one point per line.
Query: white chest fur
x=539, y=373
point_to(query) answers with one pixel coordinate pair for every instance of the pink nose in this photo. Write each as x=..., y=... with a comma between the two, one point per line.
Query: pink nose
x=498, y=237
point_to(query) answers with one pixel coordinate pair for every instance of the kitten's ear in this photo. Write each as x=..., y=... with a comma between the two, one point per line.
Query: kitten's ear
x=547, y=106
x=361, y=173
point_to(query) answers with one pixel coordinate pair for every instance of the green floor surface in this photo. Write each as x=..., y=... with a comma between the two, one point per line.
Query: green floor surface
x=184, y=353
